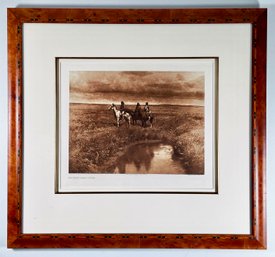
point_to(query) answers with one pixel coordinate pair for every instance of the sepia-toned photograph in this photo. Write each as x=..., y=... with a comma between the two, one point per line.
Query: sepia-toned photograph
x=136, y=122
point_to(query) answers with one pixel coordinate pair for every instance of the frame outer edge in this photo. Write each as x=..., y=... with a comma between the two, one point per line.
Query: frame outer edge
x=13, y=130
x=16, y=17
x=260, y=165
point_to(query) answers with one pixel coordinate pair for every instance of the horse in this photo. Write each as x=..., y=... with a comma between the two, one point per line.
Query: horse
x=119, y=115
x=143, y=116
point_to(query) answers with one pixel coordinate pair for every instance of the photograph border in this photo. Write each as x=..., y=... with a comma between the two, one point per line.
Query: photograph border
x=215, y=118
x=257, y=17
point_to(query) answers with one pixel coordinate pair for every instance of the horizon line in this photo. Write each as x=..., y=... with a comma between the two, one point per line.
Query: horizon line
x=135, y=104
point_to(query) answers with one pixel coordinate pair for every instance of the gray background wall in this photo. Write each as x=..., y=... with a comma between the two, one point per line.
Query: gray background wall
x=270, y=4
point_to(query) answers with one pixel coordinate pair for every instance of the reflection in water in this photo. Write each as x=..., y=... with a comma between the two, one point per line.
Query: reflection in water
x=151, y=158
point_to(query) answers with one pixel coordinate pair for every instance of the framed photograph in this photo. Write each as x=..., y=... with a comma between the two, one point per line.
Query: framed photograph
x=127, y=124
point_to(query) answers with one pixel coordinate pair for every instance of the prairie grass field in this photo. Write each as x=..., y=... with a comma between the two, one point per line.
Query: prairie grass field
x=95, y=143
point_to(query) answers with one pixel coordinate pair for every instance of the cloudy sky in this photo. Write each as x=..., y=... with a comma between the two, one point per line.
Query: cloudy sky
x=181, y=88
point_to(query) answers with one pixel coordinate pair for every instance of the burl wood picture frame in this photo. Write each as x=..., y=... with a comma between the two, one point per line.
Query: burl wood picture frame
x=18, y=238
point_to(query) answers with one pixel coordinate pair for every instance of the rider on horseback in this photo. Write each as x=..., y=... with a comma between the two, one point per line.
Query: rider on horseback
x=147, y=109
x=122, y=106
x=138, y=108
